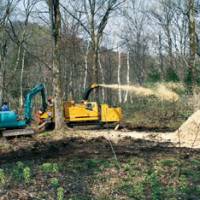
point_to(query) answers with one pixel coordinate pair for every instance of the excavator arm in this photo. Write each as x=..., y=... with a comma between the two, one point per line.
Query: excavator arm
x=11, y=125
x=40, y=88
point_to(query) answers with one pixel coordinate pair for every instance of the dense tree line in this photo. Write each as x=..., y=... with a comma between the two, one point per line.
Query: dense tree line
x=75, y=43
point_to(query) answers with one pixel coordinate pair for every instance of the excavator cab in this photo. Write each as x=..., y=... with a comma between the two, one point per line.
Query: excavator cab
x=9, y=119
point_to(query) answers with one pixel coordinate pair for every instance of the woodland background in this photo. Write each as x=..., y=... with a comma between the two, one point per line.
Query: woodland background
x=140, y=42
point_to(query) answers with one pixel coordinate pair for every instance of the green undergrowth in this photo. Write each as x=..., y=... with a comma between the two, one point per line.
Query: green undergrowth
x=160, y=177
x=149, y=113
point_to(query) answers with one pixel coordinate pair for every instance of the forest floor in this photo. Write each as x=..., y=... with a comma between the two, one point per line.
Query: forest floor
x=156, y=156
x=103, y=164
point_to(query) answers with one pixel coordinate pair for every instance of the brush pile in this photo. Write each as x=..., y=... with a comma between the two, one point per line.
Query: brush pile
x=189, y=133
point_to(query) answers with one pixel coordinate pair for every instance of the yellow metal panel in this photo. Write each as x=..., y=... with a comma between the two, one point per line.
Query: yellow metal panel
x=110, y=114
x=81, y=112
x=86, y=111
x=44, y=115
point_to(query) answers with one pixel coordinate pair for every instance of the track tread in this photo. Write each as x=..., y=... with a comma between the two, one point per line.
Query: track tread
x=17, y=132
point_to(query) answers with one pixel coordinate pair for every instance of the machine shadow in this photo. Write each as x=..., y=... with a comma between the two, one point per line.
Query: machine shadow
x=79, y=147
x=81, y=153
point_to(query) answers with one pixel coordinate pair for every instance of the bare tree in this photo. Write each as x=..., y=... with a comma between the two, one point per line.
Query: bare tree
x=119, y=76
x=6, y=8
x=28, y=6
x=164, y=17
x=86, y=66
x=127, y=75
x=94, y=20
x=55, y=16
x=136, y=38
x=192, y=39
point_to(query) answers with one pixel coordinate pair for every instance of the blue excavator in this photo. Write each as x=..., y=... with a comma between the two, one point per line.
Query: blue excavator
x=10, y=122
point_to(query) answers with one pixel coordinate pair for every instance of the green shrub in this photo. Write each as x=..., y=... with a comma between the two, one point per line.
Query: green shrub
x=153, y=76
x=156, y=187
x=27, y=174
x=138, y=190
x=188, y=78
x=133, y=190
x=18, y=171
x=171, y=75
x=168, y=162
x=60, y=193
x=20, y=165
x=183, y=184
x=2, y=177
x=54, y=182
x=55, y=167
x=50, y=167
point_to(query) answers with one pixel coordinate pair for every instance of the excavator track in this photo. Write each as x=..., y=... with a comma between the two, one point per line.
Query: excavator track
x=17, y=132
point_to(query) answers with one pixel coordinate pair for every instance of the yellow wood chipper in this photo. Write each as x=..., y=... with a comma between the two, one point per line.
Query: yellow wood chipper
x=85, y=112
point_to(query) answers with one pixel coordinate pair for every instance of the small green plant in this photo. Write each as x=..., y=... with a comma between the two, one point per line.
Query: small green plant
x=46, y=167
x=55, y=167
x=20, y=164
x=138, y=190
x=127, y=167
x=2, y=177
x=183, y=184
x=133, y=190
x=60, y=193
x=154, y=76
x=54, y=182
x=18, y=171
x=171, y=75
x=27, y=174
x=168, y=163
x=155, y=186
x=50, y=167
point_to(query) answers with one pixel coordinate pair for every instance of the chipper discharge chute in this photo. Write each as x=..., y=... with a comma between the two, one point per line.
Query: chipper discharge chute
x=10, y=122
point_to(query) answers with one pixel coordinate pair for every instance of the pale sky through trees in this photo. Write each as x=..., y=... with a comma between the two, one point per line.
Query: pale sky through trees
x=114, y=28
x=153, y=35
x=114, y=32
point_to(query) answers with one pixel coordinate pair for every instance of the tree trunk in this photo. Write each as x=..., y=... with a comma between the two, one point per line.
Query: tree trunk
x=86, y=66
x=119, y=77
x=56, y=35
x=102, y=77
x=95, y=70
x=59, y=118
x=192, y=42
x=169, y=41
x=71, y=85
x=127, y=76
x=161, y=57
x=1, y=79
x=1, y=86
x=21, y=80
x=2, y=71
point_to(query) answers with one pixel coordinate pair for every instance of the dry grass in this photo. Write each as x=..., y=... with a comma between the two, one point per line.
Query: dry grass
x=194, y=99
x=173, y=86
x=164, y=93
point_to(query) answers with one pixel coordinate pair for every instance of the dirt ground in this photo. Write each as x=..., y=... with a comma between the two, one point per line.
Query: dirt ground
x=103, y=164
x=71, y=142
x=98, y=164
